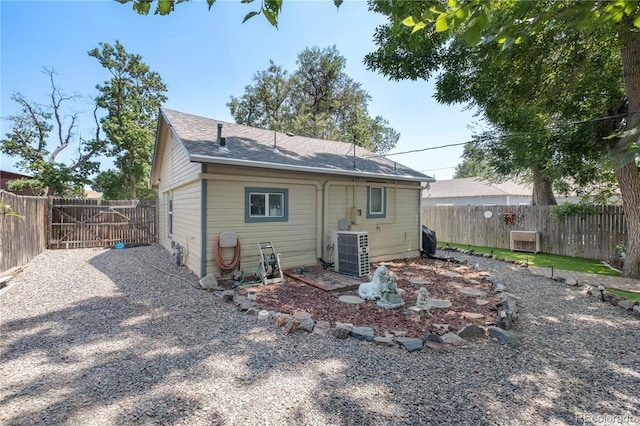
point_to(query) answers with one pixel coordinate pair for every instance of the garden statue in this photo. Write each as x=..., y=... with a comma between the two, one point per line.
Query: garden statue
x=372, y=289
x=390, y=295
x=422, y=304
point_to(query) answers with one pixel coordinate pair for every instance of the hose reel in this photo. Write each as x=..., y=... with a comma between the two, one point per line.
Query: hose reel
x=269, y=270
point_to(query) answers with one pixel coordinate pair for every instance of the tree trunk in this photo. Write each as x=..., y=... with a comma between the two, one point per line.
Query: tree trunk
x=542, y=194
x=624, y=161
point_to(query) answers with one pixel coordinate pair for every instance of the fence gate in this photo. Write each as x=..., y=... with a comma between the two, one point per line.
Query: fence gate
x=100, y=223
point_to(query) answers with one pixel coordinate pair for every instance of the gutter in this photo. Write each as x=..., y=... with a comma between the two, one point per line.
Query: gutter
x=293, y=168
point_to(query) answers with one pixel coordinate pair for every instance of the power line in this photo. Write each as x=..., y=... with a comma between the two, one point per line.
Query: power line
x=510, y=135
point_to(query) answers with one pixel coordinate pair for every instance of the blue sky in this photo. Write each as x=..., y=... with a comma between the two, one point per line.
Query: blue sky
x=206, y=57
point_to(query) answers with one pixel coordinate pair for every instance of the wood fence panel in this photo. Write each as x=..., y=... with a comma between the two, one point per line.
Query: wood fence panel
x=593, y=236
x=22, y=239
x=101, y=223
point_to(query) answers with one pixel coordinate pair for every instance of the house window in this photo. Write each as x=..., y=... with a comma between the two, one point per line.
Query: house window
x=376, y=202
x=266, y=205
x=170, y=216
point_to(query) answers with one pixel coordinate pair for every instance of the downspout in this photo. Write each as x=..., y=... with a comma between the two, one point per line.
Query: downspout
x=203, y=225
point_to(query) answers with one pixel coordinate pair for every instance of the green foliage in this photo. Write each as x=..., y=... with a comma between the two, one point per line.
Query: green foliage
x=270, y=9
x=317, y=100
x=568, y=210
x=115, y=185
x=132, y=98
x=6, y=210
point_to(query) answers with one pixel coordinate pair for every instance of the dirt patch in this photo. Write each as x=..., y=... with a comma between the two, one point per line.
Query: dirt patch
x=436, y=276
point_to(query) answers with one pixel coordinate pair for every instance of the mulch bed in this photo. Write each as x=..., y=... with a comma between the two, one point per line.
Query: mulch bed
x=294, y=295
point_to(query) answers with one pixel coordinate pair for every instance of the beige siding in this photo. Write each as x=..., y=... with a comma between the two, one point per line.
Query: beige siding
x=186, y=223
x=180, y=178
x=295, y=239
x=395, y=236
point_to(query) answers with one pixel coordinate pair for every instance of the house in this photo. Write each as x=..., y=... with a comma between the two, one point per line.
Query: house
x=7, y=177
x=265, y=186
x=477, y=192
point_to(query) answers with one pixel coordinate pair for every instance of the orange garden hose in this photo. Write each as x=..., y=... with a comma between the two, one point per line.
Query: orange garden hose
x=226, y=268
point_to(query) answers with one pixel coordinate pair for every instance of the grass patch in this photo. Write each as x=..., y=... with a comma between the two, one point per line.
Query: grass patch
x=626, y=294
x=544, y=260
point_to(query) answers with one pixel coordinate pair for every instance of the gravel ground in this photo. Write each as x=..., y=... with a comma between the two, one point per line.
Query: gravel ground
x=113, y=337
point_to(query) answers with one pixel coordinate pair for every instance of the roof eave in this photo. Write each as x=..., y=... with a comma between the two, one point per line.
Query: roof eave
x=293, y=168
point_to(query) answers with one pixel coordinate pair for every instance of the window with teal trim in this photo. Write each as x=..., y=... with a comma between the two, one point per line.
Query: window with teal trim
x=266, y=205
x=376, y=202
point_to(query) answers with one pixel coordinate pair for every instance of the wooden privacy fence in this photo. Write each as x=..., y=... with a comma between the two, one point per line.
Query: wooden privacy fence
x=22, y=239
x=592, y=236
x=101, y=223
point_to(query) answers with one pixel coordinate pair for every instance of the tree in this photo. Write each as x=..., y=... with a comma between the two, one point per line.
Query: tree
x=132, y=98
x=34, y=128
x=531, y=104
x=517, y=23
x=317, y=100
x=474, y=163
x=270, y=9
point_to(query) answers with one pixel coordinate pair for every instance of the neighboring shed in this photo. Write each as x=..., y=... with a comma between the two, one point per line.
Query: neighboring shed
x=294, y=191
x=7, y=177
x=478, y=192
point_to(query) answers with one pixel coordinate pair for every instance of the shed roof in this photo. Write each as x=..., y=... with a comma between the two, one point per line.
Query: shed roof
x=261, y=148
x=475, y=187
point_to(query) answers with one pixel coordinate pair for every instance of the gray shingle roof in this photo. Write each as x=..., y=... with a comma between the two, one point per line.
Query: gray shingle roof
x=253, y=147
x=475, y=187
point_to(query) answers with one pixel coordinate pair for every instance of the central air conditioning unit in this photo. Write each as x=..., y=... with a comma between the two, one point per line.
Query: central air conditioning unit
x=351, y=253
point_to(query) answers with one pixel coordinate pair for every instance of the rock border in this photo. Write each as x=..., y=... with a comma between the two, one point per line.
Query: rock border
x=630, y=306
x=506, y=314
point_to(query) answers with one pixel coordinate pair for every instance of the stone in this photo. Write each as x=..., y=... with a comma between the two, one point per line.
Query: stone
x=444, y=327
x=471, y=291
x=636, y=311
x=614, y=300
x=481, y=302
x=505, y=337
x=227, y=295
x=307, y=325
x=453, y=339
x=291, y=326
x=419, y=281
x=432, y=337
x=438, y=347
x=439, y=303
x=342, y=330
x=362, y=333
x=471, y=315
x=322, y=328
x=471, y=331
x=450, y=274
x=281, y=319
x=571, y=281
x=383, y=341
x=252, y=311
x=301, y=316
x=239, y=300
x=353, y=300
x=245, y=305
x=627, y=304
x=410, y=344
x=499, y=287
